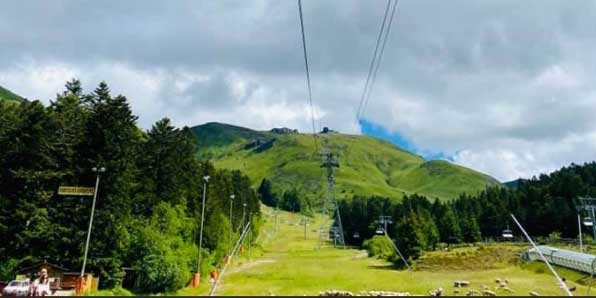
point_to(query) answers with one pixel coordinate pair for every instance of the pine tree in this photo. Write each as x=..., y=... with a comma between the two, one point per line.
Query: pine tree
x=267, y=196
x=291, y=201
x=73, y=87
x=28, y=178
x=407, y=234
x=112, y=139
x=449, y=227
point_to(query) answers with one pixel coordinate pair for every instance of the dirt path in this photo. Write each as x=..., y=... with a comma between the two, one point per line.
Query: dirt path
x=249, y=265
x=243, y=267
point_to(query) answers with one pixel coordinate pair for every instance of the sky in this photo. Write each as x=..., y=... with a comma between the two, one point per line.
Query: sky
x=503, y=87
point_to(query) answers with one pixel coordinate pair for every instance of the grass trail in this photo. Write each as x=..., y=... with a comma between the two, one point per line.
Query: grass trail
x=284, y=263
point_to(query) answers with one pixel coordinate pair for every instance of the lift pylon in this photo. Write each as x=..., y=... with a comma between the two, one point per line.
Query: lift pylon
x=330, y=205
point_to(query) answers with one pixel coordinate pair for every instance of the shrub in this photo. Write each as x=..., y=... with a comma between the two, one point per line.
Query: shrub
x=8, y=268
x=554, y=237
x=163, y=251
x=380, y=247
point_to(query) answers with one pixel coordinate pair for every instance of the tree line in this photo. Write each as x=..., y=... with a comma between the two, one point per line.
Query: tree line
x=543, y=204
x=150, y=197
x=290, y=200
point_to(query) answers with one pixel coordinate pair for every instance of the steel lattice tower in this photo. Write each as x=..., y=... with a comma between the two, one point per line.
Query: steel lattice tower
x=330, y=162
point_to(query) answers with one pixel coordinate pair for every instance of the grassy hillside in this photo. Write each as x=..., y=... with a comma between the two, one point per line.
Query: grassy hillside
x=6, y=94
x=368, y=166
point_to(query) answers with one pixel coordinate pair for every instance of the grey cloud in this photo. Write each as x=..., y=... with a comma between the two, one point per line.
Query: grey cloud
x=457, y=76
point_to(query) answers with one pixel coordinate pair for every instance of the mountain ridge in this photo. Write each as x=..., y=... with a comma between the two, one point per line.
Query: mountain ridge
x=368, y=165
x=8, y=95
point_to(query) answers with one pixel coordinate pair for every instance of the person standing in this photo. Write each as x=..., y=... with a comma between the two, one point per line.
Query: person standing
x=41, y=286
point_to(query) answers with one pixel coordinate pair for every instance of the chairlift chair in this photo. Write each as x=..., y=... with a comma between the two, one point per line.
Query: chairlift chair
x=507, y=234
x=380, y=231
x=336, y=236
x=356, y=235
x=588, y=222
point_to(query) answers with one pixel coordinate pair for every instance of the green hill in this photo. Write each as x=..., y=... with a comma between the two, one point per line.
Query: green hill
x=368, y=166
x=6, y=94
x=514, y=184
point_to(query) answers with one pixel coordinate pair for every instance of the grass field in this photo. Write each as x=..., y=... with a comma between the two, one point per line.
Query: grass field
x=286, y=264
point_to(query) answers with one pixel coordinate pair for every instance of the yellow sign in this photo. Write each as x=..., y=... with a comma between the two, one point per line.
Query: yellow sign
x=75, y=191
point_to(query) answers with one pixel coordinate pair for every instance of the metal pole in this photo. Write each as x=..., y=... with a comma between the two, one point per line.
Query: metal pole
x=243, y=214
x=276, y=211
x=202, y=221
x=341, y=229
x=324, y=219
x=250, y=237
x=231, y=223
x=593, y=225
x=563, y=285
x=305, y=222
x=90, y=222
x=579, y=225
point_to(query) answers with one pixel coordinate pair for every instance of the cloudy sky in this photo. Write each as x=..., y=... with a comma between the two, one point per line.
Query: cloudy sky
x=504, y=87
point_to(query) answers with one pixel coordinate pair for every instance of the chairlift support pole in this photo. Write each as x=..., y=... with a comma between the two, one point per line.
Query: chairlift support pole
x=330, y=162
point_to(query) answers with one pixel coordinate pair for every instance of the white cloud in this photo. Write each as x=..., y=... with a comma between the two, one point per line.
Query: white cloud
x=36, y=81
x=512, y=159
x=556, y=77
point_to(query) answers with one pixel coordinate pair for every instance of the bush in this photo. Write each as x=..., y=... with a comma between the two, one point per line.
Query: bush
x=163, y=252
x=8, y=268
x=554, y=237
x=380, y=247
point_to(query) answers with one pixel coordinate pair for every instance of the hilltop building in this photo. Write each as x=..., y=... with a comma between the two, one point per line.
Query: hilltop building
x=327, y=130
x=284, y=130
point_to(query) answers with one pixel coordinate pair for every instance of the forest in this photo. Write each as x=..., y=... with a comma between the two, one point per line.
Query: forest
x=291, y=200
x=543, y=205
x=149, y=198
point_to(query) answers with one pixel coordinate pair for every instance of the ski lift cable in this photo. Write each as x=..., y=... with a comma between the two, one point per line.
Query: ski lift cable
x=375, y=62
x=312, y=109
x=374, y=75
x=561, y=282
x=372, y=62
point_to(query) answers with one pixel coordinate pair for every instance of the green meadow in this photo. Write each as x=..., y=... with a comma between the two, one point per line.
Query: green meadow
x=284, y=263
